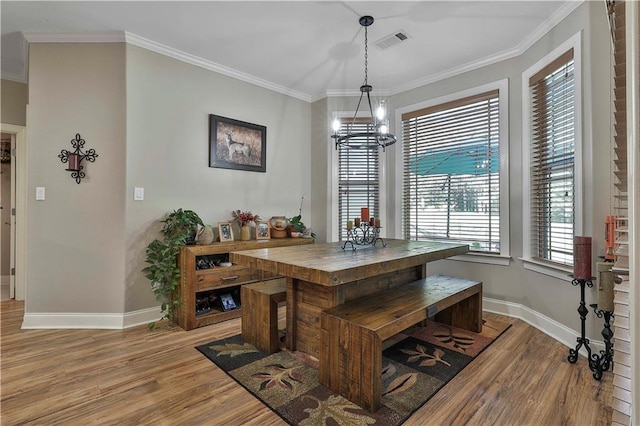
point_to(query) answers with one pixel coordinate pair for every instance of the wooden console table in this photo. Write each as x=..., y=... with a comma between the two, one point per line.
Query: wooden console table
x=321, y=276
x=197, y=283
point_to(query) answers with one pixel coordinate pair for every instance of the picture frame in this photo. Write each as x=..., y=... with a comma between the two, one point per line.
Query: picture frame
x=227, y=302
x=263, y=231
x=235, y=144
x=226, y=231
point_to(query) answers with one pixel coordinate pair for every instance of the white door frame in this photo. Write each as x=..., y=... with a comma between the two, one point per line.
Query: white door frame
x=20, y=254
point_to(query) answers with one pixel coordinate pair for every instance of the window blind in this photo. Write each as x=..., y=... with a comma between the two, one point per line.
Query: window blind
x=620, y=111
x=358, y=178
x=451, y=188
x=552, y=161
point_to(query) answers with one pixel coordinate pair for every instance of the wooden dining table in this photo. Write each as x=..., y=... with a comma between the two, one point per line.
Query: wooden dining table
x=321, y=276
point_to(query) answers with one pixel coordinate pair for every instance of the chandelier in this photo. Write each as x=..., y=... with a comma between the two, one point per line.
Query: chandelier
x=377, y=133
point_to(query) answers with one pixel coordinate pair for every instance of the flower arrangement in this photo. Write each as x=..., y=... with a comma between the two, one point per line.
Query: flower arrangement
x=244, y=218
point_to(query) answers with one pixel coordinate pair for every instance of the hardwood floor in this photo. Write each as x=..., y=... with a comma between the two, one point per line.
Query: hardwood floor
x=136, y=377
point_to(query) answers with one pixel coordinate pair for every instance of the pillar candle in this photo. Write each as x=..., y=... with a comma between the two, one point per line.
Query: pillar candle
x=605, y=286
x=377, y=223
x=357, y=220
x=74, y=161
x=364, y=214
x=372, y=221
x=582, y=258
x=349, y=224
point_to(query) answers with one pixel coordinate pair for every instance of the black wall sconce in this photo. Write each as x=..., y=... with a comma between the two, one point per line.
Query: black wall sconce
x=75, y=158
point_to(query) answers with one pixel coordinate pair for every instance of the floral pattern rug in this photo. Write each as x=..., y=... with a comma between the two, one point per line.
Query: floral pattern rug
x=420, y=362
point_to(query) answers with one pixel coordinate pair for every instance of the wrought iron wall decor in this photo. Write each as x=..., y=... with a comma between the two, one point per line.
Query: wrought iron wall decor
x=75, y=158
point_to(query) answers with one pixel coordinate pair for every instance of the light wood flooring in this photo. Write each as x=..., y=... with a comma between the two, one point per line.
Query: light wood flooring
x=138, y=377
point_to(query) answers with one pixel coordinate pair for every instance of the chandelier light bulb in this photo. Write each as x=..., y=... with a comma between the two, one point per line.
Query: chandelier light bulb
x=335, y=125
x=384, y=129
x=381, y=112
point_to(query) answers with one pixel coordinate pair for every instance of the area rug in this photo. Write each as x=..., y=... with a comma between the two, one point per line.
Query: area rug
x=414, y=368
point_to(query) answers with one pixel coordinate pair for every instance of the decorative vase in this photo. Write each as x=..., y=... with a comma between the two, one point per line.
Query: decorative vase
x=245, y=232
x=205, y=235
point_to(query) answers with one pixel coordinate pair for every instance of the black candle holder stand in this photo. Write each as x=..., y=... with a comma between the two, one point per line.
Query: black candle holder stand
x=364, y=234
x=583, y=311
x=604, y=361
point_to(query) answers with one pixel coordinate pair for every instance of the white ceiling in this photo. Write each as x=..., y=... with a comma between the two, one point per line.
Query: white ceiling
x=304, y=48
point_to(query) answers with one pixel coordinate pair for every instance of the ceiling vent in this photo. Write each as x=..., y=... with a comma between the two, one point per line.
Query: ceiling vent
x=393, y=39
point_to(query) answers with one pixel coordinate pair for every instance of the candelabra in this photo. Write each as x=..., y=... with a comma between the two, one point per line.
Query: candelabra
x=363, y=234
x=602, y=362
x=583, y=311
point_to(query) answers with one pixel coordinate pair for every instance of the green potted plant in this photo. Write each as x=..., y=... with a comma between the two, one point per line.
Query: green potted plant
x=178, y=227
x=297, y=227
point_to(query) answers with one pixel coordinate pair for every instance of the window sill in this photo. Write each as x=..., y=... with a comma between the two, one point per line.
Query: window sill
x=490, y=259
x=564, y=274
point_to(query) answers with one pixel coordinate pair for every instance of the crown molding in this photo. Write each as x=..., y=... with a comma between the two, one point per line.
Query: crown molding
x=564, y=11
x=112, y=37
x=18, y=78
x=212, y=66
x=117, y=37
x=568, y=7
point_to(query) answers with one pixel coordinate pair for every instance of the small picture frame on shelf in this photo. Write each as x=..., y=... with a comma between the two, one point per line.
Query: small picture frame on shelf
x=227, y=302
x=263, y=231
x=226, y=232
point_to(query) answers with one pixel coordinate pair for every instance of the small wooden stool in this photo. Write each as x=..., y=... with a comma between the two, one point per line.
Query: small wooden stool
x=260, y=312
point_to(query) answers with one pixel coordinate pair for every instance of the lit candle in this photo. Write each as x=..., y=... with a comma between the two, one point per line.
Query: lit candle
x=349, y=224
x=605, y=286
x=357, y=220
x=377, y=223
x=364, y=214
x=582, y=258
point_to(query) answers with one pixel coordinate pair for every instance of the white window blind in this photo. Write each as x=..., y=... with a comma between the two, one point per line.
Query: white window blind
x=451, y=184
x=358, y=179
x=552, y=159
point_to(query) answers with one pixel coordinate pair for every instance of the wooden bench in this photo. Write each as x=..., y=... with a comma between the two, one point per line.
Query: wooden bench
x=260, y=312
x=352, y=334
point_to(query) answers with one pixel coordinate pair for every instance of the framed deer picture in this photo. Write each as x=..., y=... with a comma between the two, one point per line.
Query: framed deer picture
x=235, y=144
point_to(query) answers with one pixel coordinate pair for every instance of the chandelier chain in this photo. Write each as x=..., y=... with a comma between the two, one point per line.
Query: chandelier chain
x=366, y=56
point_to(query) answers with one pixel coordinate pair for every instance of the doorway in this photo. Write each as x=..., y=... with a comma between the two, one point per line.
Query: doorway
x=13, y=212
x=7, y=198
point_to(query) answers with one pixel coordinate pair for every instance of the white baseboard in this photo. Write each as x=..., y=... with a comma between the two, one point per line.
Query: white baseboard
x=548, y=326
x=89, y=320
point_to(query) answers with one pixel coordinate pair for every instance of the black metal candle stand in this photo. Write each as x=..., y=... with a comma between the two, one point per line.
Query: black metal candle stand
x=583, y=311
x=362, y=235
x=603, y=361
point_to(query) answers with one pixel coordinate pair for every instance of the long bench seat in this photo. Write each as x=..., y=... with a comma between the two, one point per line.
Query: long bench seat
x=352, y=334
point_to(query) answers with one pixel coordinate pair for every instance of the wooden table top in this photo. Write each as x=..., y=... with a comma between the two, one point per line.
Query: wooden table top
x=329, y=265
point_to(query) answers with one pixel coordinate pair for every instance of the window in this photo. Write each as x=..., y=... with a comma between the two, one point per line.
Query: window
x=551, y=161
x=452, y=186
x=358, y=179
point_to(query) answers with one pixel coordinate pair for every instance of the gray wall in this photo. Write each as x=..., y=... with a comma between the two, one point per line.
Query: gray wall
x=13, y=102
x=147, y=117
x=86, y=242
x=168, y=107
x=75, y=238
x=554, y=298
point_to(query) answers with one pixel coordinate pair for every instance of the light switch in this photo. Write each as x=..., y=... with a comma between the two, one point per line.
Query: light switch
x=39, y=193
x=138, y=194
